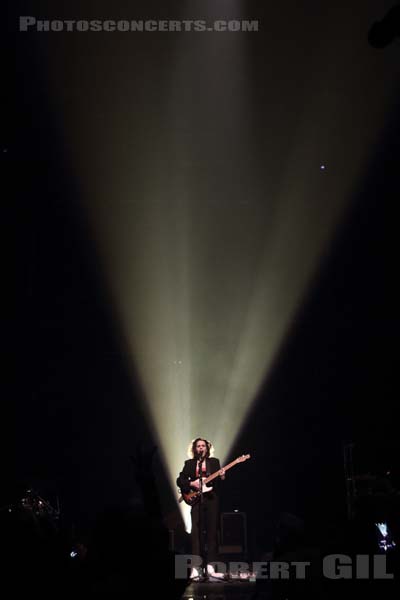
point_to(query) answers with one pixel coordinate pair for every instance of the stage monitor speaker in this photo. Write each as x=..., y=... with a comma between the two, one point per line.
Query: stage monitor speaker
x=233, y=533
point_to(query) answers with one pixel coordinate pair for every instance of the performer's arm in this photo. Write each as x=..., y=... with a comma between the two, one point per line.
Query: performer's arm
x=183, y=481
x=221, y=471
x=216, y=468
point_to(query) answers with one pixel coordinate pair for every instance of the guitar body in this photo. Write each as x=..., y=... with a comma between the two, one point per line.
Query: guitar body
x=194, y=496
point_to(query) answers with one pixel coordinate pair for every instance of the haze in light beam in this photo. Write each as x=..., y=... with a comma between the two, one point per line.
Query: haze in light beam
x=202, y=181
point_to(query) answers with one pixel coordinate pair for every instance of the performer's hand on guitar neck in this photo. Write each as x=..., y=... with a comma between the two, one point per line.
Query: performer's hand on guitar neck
x=222, y=473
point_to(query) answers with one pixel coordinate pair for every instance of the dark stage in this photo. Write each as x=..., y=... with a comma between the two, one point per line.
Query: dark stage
x=203, y=206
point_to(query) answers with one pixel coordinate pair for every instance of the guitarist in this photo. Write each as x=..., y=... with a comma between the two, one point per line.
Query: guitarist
x=200, y=451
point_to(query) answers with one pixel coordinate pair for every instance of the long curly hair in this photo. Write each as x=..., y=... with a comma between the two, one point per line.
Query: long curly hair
x=192, y=447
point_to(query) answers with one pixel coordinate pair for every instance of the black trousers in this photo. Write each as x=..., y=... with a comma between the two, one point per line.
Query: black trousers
x=205, y=513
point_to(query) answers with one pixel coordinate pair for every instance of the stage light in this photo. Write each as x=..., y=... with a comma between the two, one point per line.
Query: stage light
x=385, y=539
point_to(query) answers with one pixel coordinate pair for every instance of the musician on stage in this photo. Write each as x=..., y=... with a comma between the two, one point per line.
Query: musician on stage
x=200, y=451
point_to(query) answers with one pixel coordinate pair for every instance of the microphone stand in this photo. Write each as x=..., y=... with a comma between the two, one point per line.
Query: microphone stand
x=202, y=533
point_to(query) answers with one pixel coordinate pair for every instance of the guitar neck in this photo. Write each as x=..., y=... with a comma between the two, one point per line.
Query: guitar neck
x=216, y=474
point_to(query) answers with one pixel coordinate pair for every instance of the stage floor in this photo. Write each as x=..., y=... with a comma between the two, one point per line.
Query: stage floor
x=222, y=590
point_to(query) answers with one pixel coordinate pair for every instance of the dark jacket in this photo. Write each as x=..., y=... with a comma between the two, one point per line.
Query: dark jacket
x=188, y=473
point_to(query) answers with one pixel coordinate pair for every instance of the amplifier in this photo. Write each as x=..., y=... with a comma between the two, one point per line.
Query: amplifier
x=233, y=533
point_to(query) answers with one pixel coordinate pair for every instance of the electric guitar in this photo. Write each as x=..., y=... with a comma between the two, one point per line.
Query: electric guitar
x=192, y=497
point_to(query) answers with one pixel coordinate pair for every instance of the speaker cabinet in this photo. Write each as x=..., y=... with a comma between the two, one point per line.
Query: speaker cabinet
x=233, y=533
